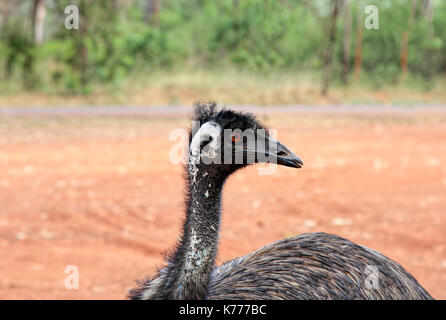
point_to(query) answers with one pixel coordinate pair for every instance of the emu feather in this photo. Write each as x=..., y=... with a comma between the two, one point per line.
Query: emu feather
x=308, y=266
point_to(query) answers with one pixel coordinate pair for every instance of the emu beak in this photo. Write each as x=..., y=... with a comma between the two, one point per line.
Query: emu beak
x=284, y=156
x=265, y=149
x=275, y=152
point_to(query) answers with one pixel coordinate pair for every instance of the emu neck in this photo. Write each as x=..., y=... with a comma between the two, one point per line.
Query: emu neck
x=195, y=257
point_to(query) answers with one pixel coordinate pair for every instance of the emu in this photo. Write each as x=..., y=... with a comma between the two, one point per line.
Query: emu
x=308, y=266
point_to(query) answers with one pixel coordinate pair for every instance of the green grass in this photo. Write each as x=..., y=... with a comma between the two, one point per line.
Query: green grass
x=229, y=87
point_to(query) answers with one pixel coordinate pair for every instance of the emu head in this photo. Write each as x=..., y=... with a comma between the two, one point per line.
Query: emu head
x=226, y=141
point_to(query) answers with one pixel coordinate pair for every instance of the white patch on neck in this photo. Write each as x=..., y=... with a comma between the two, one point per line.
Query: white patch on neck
x=208, y=130
x=193, y=171
x=196, y=256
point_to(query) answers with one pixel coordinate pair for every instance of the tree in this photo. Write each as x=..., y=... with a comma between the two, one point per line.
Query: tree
x=405, y=42
x=328, y=56
x=346, y=41
x=38, y=17
x=4, y=13
x=153, y=8
x=358, y=41
x=428, y=10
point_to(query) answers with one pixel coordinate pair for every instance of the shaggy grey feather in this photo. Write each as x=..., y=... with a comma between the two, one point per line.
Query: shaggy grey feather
x=309, y=266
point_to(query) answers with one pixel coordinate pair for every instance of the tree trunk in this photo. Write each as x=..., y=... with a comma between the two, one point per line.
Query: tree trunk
x=428, y=10
x=346, y=44
x=328, y=56
x=358, y=42
x=405, y=43
x=39, y=13
x=81, y=47
x=152, y=11
x=5, y=10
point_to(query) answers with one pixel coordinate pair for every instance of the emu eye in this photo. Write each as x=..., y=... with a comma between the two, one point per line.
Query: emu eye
x=235, y=137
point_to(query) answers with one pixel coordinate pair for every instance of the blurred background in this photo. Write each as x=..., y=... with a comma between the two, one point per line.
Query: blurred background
x=86, y=114
x=145, y=52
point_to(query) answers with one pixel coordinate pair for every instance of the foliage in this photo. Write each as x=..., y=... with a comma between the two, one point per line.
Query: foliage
x=259, y=36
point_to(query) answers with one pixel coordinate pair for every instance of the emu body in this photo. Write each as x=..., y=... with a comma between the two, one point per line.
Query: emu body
x=309, y=266
x=314, y=266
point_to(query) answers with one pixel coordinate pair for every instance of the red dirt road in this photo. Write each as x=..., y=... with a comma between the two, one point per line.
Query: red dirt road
x=101, y=194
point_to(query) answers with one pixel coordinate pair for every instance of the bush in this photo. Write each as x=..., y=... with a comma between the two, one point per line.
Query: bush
x=260, y=36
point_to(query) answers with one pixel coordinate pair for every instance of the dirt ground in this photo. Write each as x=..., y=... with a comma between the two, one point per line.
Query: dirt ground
x=100, y=194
